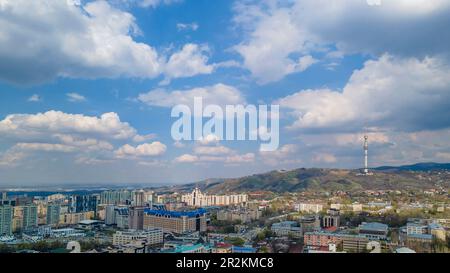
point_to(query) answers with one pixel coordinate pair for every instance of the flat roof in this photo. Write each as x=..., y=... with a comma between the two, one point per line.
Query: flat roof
x=176, y=214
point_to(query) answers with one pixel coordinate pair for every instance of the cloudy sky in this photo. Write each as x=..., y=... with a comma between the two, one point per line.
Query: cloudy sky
x=87, y=87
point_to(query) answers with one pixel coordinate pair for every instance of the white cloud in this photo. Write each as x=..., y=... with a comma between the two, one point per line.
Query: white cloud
x=108, y=125
x=212, y=150
x=390, y=93
x=219, y=94
x=35, y=98
x=186, y=158
x=209, y=139
x=245, y=158
x=42, y=40
x=90, y=139
x=46, y=39
x=324, y=158
x=278, y=32
x=144, y=150
x=189, y=61
x=155, y=3
x=192, y=26
x=46, y=147
x=286, y=154
x=75, y=97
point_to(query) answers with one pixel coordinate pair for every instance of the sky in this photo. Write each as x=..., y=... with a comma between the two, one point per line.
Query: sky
x=87, y=87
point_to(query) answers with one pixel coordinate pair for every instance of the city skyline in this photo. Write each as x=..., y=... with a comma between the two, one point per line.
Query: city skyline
x=87, y=87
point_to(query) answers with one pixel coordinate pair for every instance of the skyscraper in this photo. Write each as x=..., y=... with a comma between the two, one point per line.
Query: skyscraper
x=136, y=218
x=6, y=215
x=53, y=211
x=30, y=216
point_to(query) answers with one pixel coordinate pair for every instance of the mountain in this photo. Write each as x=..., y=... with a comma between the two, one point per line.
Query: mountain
x=421, y=167
x=316, y=179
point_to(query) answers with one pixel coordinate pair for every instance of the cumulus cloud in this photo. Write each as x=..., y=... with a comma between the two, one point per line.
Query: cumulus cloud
x=90, y=139
x=144, y=150
x=280, y=32
x=219, y=94
x=108, y=125
x=43, y=40
x=186, y=158
x=389, y=93
x=189, y=61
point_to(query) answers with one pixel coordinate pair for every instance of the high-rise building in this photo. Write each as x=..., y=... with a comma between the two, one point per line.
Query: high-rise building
x=3, y=195
x=198, y=199
x=175, y=221
x=6, y=216
x=53, y=212
x=139, y=198
x=136, y=218
x=120, y=197
x=84, y=203
x=110, y=215
x=30, y=216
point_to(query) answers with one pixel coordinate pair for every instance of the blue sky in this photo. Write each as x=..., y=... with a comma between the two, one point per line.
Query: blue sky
x=87, y=87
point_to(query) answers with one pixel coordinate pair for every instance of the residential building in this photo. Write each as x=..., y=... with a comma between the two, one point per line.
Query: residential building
x=175, y=221
x=53, y=211
x=6, y=217
x=198, y=199
x=121, y=197
x=152, y=236
x=136, y=218
x=287, y=228
x=309, y=208
x=30, y=216
x=373, y=230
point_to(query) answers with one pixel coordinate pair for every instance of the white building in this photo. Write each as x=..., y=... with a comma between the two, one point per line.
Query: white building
x=198, y=199
x=310, y=208
x=153, y=236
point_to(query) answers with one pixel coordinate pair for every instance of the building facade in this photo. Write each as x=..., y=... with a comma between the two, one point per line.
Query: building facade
x=197, y=199
x=175, y=221
x=6, y=218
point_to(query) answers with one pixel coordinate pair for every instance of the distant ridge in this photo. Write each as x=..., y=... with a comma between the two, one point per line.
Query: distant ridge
x=410, y=177
x=422, y=167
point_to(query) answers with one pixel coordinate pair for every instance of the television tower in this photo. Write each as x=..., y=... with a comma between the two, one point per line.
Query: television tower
x=366, y=150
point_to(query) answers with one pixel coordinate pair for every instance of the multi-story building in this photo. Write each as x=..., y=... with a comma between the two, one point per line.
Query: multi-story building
x=75, y=218
x=373, y=230
x=110, y=215
x=175, y=221
x=84, y=203
x=136, y=218
x=309, y=208
x=30, y=216
x=122, y=214
x=153, y=236
x=57, y=197
x=350, y=243
x=6, y=217
x=53, y=212
x=287, y=228
x=121, y=197
x=198, y=199
x=242, y=215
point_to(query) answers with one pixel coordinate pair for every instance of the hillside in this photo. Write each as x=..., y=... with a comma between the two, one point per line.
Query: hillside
x=315, y=179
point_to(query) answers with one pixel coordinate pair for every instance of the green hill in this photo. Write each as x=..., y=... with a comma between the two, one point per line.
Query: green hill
x=315, y=179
